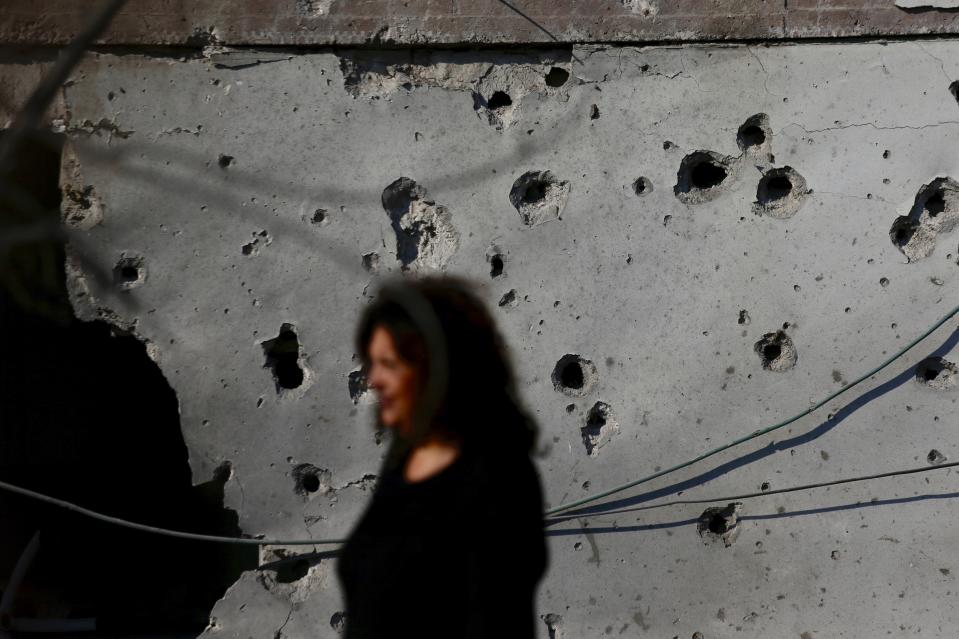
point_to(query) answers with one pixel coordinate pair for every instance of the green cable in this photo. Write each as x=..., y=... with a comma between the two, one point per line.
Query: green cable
x=304, y=542
x=753, y=435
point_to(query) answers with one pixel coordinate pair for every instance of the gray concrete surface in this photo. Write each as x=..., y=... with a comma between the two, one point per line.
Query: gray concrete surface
x=234, y=195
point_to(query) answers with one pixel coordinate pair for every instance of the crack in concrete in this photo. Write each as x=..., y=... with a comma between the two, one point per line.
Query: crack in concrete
x=869, y=124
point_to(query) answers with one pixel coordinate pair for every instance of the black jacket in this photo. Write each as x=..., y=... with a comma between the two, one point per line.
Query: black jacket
x=459, y=554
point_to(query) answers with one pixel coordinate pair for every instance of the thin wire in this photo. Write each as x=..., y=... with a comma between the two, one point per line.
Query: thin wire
x=280, y=542
x=763, y=493
x=302, y=542
x=164, y=531
x=754, y=434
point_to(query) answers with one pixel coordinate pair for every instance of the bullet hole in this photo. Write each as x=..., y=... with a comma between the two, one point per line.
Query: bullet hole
x=556, y=77
x=290, y=571
x=496, y=266
x=539, y=197
x=776, y=351
x=700, y=176
x=667, y=145
x=884, y=282
x=934, y=211
x=129, y=271
x=593, y=112
x=509, y=298
x=764, y=487
x=499, y=100
x=599, y=428
x=744, y=317
x=935, y=457
x=954, y=90
x=80, y=208
x=225, y=161
x=309, y=480
x=720, y=523
x=320, y=217
x=553, y=623
x=780, y=193
x=260, y=239
x=338, y=621
x=706, y=175
x=574, y=375
x=358, y=386
x=578, y=545
x=371, y=262
x=283, y=358
x=642, y=186
x=425, y=237
x=937, y=373
x=570, y=408
x=754, y=134
x=834, y=555
x=885, y=154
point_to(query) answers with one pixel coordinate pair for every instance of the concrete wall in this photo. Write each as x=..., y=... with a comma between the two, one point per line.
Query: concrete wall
x=236, y=197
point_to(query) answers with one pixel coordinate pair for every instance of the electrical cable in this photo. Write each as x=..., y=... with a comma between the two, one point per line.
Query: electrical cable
x=420, y=314
x=753, y=435
x=762, y=493
x=549, y=520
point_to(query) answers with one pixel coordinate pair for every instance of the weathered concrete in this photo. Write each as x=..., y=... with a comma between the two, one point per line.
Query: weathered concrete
x=698, y=307
x=419, y=22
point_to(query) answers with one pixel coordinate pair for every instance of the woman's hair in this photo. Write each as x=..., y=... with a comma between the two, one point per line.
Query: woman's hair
x=480, y=405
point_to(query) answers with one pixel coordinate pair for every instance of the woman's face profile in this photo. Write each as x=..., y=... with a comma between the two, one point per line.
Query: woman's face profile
x=393, y=380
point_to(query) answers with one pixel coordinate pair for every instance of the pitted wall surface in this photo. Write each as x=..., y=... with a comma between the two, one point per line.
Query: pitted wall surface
x=710, y=233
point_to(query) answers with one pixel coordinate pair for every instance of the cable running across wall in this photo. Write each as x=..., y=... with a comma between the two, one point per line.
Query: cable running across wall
x=293, y=542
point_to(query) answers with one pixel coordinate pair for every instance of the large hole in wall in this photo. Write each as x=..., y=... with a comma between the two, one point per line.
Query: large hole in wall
x=701, y=176
x=88, y=417
x=283, y=358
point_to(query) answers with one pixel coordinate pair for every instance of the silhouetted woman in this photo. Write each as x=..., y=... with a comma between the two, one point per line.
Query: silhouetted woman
x=451, y=544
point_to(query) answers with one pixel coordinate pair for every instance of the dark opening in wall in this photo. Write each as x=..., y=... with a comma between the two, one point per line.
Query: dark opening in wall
x=499, y=100
x=283, y=358
x=776, y=351
x=705, y=175
x=754, y=135
x=780, y=193
x=934, y=211
x=902, y=231
x=937, y=373
x=777, y=187
x=556, y=77
x=535, y=191
x=720, y=523
x=309, y=479
x=954, y=90
x=496, y=266
x=700, y=176
x=642, y=186
x=89, y=418
x=574, y=375
x=129, y=271
x=936, y=204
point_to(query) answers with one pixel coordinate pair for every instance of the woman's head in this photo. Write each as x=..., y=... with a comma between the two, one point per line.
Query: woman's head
x=401, y=339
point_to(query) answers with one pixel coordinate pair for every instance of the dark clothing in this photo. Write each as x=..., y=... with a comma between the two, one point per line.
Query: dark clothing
x=459, y=554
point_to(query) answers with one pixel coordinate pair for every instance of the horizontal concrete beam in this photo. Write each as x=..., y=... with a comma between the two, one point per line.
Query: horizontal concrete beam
x=414, y=22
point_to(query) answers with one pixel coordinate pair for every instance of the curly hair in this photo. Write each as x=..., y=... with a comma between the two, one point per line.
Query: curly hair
x=479, y=404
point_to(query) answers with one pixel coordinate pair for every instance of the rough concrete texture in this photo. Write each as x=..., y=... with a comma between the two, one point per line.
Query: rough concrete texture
x=658, y=299
x=353, y=22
